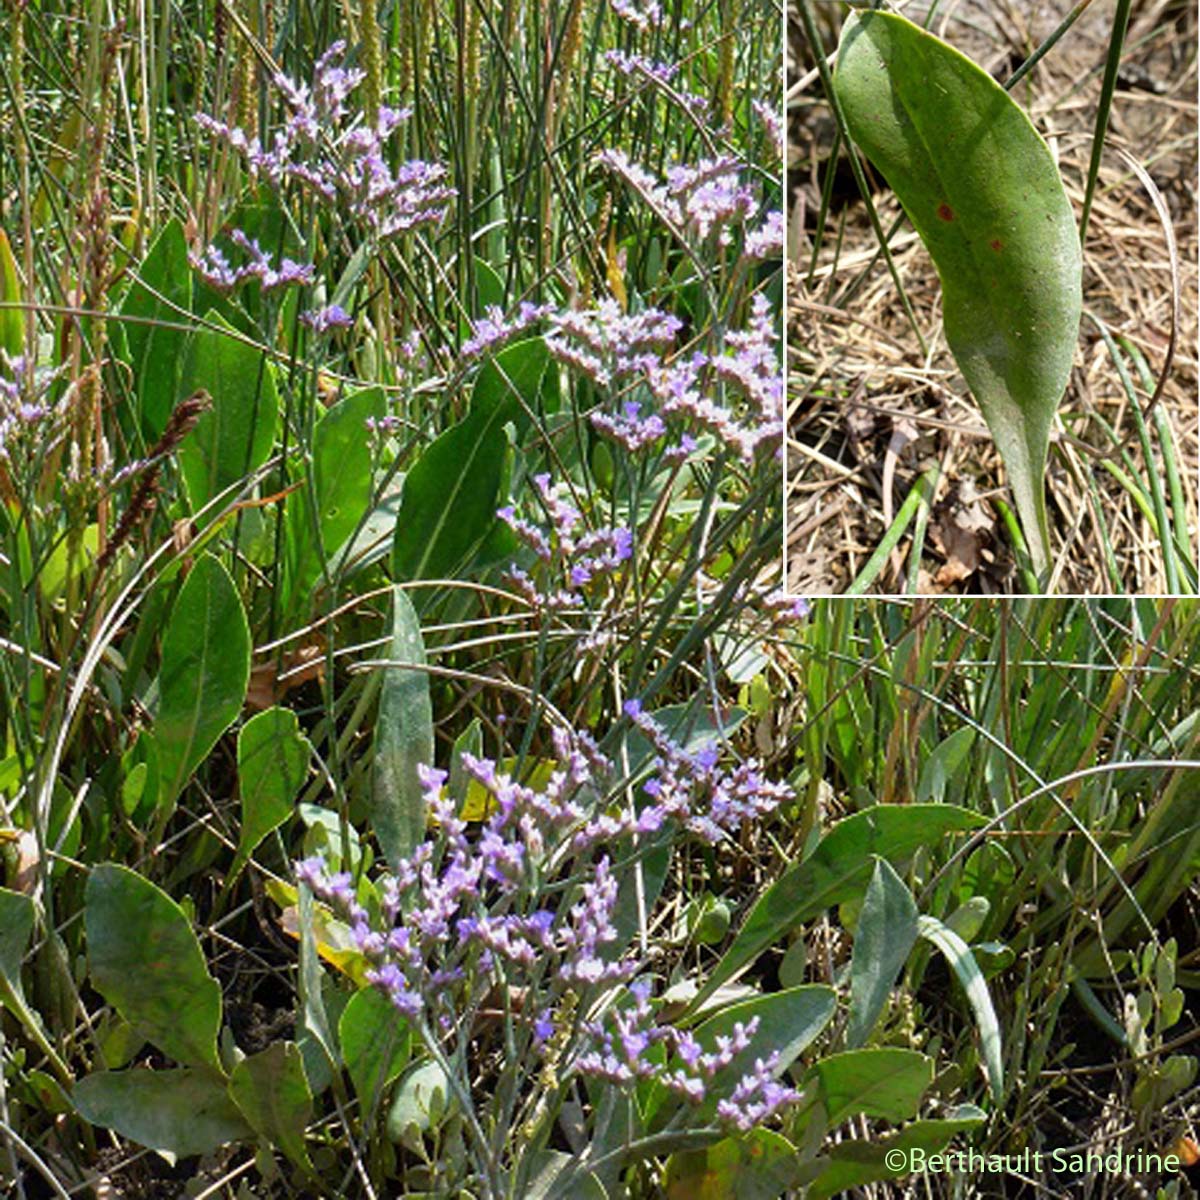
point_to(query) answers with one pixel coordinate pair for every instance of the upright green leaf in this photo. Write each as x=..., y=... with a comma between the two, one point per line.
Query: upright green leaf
x=452, y=492
x=982, y=190
x=342, y=488
x=960, y=958
x=12, y=320
x=236, y=434
x=273, y=757
x=271, y=1092
x=314, y=1032
x=145, y=960
x=181, y=1112
x=161, y=288
x=836, y=871
x=887, y=929
x=204, y=673
x=403, y=739
x=375, y=1043
x=16, y=925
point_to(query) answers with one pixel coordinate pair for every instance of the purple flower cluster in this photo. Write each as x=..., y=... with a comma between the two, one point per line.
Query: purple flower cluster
x=751, y=365
x=766, y=241
x=322, y=147
x=25, y=413
x=494, y=327
x=639, y=64
x=619, y=1047
x=693, y=788
x=757, y=1097
x=702, y=199
x=643, y=15
x=469, y=910
x=581, y=558
x=322, y=320
x=768, y=115
x=607, y=344
x=215, y=269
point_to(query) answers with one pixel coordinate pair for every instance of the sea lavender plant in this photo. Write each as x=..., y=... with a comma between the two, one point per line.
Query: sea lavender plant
x=523, y=913
x=336, y=153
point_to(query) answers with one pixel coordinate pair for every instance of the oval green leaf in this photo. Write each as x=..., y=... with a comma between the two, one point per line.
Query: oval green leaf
x=271, y=1091
x=204, y=673
x=982, y=190
x=760, y=1165
x=342, y=490
x=146, y=962
x=161, y=288
x=273, y=757
x=887, y=1082
x=235, y=435
x=450, y=496
x=887, y=930
x=181, y=1112
x=375, y=1044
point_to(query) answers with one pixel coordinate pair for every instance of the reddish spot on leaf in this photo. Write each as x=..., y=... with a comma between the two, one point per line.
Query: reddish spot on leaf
x=945, y=211
x=996, y=244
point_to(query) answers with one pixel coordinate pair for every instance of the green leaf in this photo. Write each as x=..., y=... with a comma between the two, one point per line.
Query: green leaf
x=375, y=1044
x=887, y=1083
x=273, y=757
x=553, y=1174
x=342, y=488
x=948, y=758
x=12, y=320
x=16, y=926
x=145, y=960
x=887, y=929
x=835, y=872
x=162, y=287
x=272, y=1093
x=236, y=434
x=314, y=1031
x=450, y=496
x=760, y=1165
x=181, y=1112
x=854, y=1163
x=17, y=915
x=423, y=1100
x=203, y=677
x=982, y=190
x=403, y=739
x=960, y=958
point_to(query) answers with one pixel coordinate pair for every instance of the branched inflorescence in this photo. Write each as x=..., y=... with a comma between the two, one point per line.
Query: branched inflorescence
x=470, y=910
x=570, y=559
x=331, y=151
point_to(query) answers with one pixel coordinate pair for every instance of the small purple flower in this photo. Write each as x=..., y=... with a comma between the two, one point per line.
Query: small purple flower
x=493, y=328
x=321, y=320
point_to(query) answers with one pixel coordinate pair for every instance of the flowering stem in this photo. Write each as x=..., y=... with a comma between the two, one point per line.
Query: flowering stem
x=462, y=1095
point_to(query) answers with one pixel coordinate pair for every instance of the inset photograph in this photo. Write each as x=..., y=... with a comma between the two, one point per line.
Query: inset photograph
x=992, y=299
